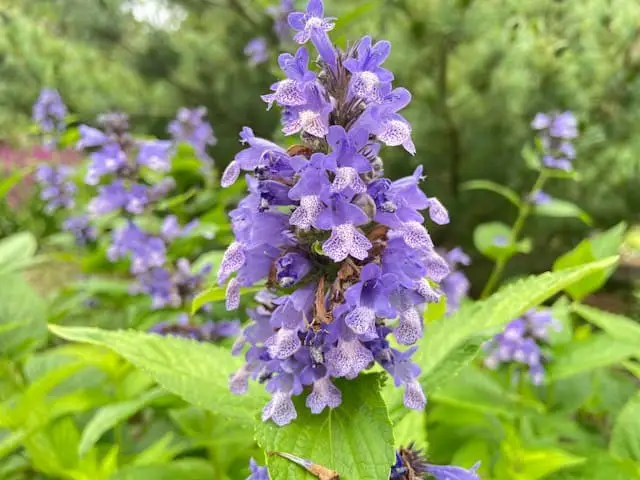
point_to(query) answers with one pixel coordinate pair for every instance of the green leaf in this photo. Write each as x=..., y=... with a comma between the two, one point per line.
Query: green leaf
x=625, y=438
x=177, y=200
x=216, y=294
x=475, y=389
x=354, y=439
x=185, y=469
x=108, y=417
x=16, y=251
x=6, y=184
x=435, y=311
x=482, y=319
x=494, y=240
x=617, y=326
x=412, y=428
x=536, y=464
x=531, y=157
x=197, y=372
x=600, y=246
x=490, y=186
x=597, y=351
x=562, y=209
x=20, y=303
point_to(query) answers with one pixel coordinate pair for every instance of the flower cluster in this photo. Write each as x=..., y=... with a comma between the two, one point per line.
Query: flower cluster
x=83, y=232
x=521, y=342
x=411, y=464
x=555, y=132
x=49, y=111
x=455, y=286
x=118, y=166
x=56, y=189
x=347, y=259
x=191, y=126
x=257, y=472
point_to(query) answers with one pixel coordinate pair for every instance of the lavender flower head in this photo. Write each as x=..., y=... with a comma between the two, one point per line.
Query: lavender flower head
x=49, y=111
x=55, y=187
x=522, y=342
x=540, y=197
x=190, y=126
x=555, y=132
x=455, y=286
x=319, y=220
x=411, y=464
x=257, y=51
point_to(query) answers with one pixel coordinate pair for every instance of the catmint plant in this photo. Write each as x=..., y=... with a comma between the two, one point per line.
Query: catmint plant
x=555, y=133
x=346, y=258
x=522, y=343
x=190, y=126
x=56, y=188
x=49, y=114
x=280, y=14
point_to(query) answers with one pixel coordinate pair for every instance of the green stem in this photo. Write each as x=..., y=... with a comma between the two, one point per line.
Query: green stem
x=523, y=213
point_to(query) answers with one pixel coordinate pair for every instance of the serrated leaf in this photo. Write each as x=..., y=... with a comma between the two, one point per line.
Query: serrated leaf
x=617, y=326
x=197, y=372
x=625, y=438
x=597, y=351
x=108, y=417
x=355, y=439
x=20, y=303
x=16, y=251
x=562, y=209
x=484, y=318
x=490, y=186
x=589, y=250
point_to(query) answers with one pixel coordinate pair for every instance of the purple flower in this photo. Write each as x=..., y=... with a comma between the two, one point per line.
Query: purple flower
x=312, y=117
x=555, y=132
x=146, y=251
x=257, y=51
x=290, y=92
x=311, y=25
x=191, y=127
x=49, y=111
x=345, y=254
x=81, y=229
x=155, y=155
x=55, y=188
x=411, y=463
x=257, y=472
x=108, y=160
x=206, y=332
x=521, y=342
x=369, y=80
x=455, y=286
x=540, y=198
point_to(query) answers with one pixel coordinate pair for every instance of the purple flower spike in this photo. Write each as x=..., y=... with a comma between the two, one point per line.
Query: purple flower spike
x=49, y=111
x=455, y=285
x=555, y=132
x=521, y=342
x=344, y=252
x=55, y=189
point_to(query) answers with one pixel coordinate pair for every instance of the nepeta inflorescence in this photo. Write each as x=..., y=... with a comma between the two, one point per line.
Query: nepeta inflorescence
x=344, y=249
x=521, y=342
x=555, y=132
x=121, y=167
